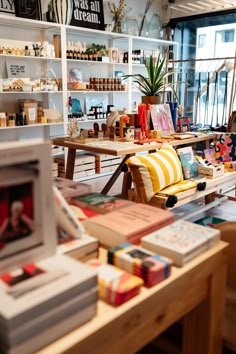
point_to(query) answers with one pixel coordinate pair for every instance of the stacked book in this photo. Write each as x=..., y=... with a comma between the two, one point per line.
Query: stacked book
x=181, y=241
x=44, y=301
x=97, y=202
x=127, y=224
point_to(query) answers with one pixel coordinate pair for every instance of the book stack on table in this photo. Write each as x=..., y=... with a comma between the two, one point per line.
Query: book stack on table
x=60, y=295
x=43, y=295
x=181, y=241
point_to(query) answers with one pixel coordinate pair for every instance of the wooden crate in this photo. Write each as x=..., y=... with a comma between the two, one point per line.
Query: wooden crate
x=84, y=166
x=107, y=163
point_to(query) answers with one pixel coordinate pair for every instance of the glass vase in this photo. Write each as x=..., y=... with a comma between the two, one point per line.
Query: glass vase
x=130, y=26
x=143, y=31
x=155, y=26
x=117, y=25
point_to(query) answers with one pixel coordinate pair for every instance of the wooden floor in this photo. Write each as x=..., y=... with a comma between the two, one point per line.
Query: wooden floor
x=99, y=182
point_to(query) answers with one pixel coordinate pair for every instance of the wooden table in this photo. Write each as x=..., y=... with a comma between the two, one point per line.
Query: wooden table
x=116, y=148
x=194, y=292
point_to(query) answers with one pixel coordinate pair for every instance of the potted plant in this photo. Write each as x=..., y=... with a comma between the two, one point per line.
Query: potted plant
x=153, y=85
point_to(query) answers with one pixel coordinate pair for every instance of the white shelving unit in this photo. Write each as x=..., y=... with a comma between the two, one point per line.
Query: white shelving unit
x=38, y=31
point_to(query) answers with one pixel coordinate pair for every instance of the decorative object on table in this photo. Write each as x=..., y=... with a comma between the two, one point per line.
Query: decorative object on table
x=130, y=26
x=155, y=27
x=154, y=84
x=72, y=127
x=161, y=118
x=30, y=9
x=143, y=30
x=128, y=132
x=118, y=13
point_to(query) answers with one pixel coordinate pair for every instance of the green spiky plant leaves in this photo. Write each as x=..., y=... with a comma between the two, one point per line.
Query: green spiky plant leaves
x=157, y=78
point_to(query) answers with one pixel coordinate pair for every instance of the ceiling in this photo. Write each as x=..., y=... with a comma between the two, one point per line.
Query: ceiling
x=179, y=8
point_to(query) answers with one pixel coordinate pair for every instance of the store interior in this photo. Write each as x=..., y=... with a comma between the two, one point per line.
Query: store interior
x=118, y=177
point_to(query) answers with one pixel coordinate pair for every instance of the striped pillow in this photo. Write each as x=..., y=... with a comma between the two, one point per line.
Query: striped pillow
x=153, y=172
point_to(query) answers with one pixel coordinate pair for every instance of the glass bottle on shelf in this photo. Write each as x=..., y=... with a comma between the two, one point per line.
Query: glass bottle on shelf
x=155, y=26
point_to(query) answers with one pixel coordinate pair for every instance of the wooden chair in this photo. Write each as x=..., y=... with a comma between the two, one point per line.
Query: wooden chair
x=228, y=234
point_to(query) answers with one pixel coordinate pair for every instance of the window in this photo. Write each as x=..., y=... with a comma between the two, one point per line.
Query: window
x=201, y=40
x=225, y=36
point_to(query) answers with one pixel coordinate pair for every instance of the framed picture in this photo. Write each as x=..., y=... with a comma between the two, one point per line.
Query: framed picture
x=7, y=7
x=114, y=55
x=30, y=9
x=161, y=118
x=27, y=216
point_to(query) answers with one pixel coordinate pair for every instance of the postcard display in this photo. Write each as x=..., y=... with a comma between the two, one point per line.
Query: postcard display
x=43, y=295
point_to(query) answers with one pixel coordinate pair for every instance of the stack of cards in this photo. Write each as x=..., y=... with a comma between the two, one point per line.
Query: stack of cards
x=152, y=268
x=115, y=285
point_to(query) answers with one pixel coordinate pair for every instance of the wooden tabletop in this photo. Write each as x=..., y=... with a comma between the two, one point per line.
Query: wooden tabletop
x=129, y=327
x=118, y=148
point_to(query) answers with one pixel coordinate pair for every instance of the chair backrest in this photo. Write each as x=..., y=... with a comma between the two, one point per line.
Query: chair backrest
x=228, y=234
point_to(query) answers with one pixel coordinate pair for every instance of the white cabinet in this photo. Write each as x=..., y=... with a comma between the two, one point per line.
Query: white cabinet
x=19, y=29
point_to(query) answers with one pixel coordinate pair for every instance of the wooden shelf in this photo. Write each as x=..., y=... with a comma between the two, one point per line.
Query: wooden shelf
x=29, y=92
x=31, y=126
x=28, y=57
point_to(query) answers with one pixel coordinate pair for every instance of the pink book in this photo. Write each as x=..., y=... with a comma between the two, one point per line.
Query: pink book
x=129, y=223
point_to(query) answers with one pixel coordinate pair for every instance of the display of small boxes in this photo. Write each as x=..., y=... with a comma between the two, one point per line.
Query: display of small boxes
x=115, y=285
x=152, y=268
x=211, y=171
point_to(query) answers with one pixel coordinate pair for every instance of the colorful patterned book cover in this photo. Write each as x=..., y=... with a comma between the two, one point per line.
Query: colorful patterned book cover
x=152, y=268
x=181, y=241
x=225, y=147
x=188, y=162
x=115, y=285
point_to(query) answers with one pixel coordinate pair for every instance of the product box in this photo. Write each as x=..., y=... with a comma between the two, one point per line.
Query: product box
x=115, y=285
x=151, y=267
x=212, y=171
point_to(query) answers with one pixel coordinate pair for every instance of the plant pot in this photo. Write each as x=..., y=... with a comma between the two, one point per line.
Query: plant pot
x=151, y=99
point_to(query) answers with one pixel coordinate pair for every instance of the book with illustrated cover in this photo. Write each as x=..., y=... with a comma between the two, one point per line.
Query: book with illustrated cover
x=115, y=285
x=70, y=188
x=127, y=224
x=151, y=267
x=181, y=241
x=188, y=162
x=101, y=203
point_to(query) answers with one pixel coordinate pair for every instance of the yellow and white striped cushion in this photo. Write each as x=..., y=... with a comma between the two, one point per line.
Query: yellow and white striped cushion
x=153, y=172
